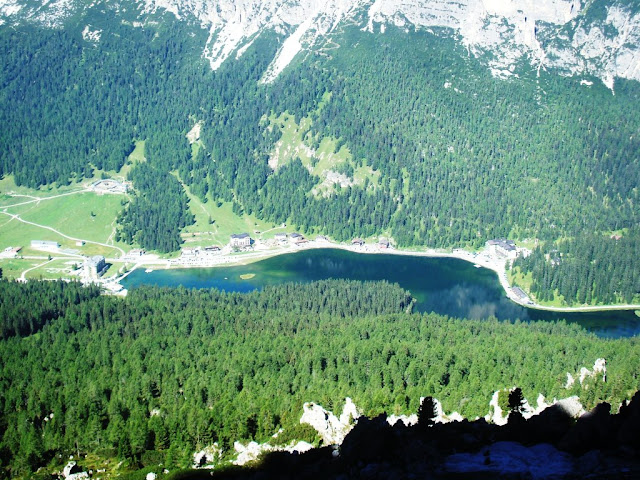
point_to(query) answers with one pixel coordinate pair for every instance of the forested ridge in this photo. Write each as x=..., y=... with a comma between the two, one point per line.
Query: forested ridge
x=163, y=372
x=459, y=156
x=587, y=269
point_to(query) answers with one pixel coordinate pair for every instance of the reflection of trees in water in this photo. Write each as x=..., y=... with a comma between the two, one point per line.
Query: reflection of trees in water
x=473, y=301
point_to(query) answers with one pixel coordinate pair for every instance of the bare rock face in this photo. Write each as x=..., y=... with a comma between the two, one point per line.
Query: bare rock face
x=570, y=37
x=207, y=457
x=331, y=429
x=253, y=450
x=571, y=406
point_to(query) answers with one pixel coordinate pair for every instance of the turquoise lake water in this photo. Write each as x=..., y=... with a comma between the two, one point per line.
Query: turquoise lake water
x=443, y=285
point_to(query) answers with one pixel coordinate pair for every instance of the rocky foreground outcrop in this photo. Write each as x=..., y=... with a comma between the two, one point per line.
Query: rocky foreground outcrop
x=550, y=445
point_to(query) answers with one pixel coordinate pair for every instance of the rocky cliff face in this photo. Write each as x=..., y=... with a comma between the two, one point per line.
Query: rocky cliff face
x=572, y=37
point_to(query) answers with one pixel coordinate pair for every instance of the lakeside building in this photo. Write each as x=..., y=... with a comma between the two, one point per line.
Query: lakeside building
x=280, y=237
x=240, y=240
x=357, y=241
x=209, y=252
x=196, y=255
x=383, y=243
x=296, y=238
x=521, y=295
x=96, y=265
x=190, y=251
x=502, y=247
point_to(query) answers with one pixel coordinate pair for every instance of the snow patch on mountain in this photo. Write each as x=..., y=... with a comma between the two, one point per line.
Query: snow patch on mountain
x=289, y=50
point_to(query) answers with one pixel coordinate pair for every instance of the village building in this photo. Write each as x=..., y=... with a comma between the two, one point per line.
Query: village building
x=108, y=185
x=520, y=295
x=240, y=240
x=280, y=237
x=296, y=238
x=357, y=241
x=44, y=245
x=209, y=252
x=10, y=252
x=96, y=265
x=190, y=251
x=502, y=248
x=383, y=243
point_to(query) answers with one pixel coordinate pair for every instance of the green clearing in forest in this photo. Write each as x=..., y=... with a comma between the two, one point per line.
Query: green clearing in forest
x=516, y=278
x=296, y=141
x=137, y=156
x=225, y=223
x=83, y=215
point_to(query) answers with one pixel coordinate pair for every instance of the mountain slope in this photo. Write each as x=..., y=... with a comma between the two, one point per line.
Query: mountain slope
x=350, y=119
x=572, y=37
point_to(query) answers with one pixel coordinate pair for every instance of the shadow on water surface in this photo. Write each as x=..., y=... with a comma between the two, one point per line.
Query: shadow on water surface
x=443, y=285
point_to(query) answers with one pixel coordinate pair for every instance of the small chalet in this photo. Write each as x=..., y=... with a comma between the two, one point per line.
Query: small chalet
x=357, y=241
x=383, y=243
x=280, y=237
x=240, y=240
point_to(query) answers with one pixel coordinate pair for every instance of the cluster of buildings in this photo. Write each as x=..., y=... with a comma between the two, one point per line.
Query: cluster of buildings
x=197, y=255
x=382, y=244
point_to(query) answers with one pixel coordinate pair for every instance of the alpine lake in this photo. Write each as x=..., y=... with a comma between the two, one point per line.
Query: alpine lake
x=446, y=286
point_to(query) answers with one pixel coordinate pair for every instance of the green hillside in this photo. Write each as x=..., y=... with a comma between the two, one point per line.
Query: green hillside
x=401, y=134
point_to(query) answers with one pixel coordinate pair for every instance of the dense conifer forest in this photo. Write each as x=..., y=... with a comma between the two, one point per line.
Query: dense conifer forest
x=156, y=375
x=456, y=156
x=587, y=269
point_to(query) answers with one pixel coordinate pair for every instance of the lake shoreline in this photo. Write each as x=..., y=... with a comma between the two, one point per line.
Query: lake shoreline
x=481, y=259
